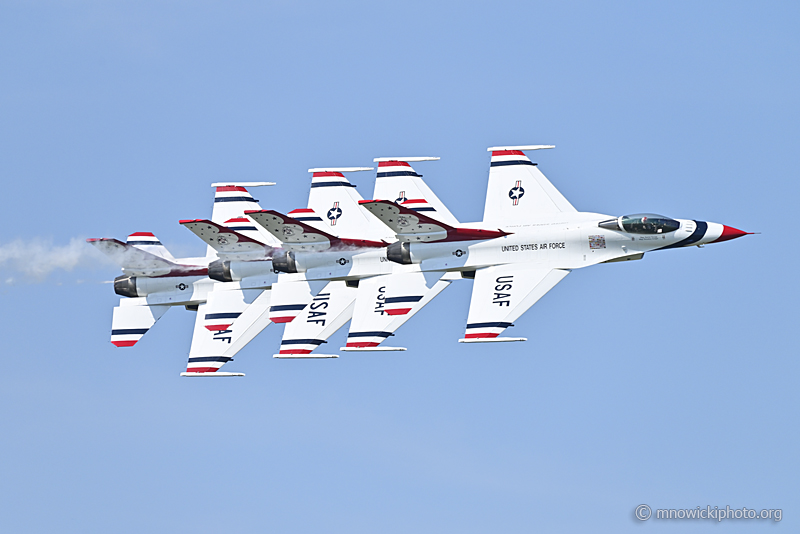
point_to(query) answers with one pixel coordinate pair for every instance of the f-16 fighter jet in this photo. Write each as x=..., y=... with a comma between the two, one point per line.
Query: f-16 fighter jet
x=329, y=280
x=228, y=315
x=530, y=238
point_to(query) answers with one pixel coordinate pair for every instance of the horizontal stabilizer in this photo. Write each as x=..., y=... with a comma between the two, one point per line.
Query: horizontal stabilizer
x=228, y=242
x=132, y=319
x=299, y=236
x=412, y=226
x=134, y=260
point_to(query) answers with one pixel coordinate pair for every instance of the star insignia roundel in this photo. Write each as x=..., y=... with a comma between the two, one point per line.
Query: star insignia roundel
x=516, y=192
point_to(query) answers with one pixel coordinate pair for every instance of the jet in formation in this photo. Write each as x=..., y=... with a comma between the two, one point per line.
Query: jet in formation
x=374, y=262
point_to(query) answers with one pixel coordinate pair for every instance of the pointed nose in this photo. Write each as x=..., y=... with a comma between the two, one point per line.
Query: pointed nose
x=729, y=232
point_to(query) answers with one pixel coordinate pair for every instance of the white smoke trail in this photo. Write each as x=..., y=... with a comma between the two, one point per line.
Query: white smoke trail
x=34, y=259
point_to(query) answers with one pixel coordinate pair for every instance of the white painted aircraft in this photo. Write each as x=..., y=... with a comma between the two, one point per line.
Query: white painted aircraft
x=538, y=237
x=153, y=281
x=313, y=274
x=330, y=274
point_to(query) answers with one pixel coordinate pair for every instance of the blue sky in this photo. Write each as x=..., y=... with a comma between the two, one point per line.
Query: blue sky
x=671, y=381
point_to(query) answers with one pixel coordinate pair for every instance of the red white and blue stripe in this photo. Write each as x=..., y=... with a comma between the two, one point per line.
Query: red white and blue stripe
x=505, y=158
x=486, y=330
x=388, y=169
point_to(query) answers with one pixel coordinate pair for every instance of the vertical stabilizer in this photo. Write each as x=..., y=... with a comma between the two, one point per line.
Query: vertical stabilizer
x=517, y=190
x=231, y=200
x=148, y=242
x=335, y=201
x=399, y=182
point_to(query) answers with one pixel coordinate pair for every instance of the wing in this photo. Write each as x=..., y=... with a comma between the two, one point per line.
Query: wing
x=228, y=243
x=132, y=319
x=225, y=323
x=384, y=303
x=290, y=297
x=501, y=294
x=517, y=190
x=299, y=236
x=328, y=311
x=416, y=227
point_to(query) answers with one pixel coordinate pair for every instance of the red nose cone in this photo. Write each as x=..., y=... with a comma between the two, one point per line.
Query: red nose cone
x=729, y=232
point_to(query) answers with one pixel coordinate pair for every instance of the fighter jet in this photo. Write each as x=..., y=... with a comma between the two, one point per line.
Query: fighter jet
x=329, y=278
x=153, y=281
x=530, y=239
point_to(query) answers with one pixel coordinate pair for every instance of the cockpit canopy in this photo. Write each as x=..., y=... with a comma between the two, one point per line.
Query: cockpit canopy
x=642, y=223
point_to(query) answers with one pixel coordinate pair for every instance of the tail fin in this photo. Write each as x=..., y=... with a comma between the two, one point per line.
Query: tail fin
x=400, y=183
x=149, y=243
x=335, y=201
x=231, y=200
x=517, y=189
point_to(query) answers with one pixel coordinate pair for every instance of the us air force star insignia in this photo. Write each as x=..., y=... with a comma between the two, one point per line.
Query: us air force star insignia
x=516, y=192
x=334, y=213
x=181, y=286
x=403, y=221
x=458, y=253
x=341, y=261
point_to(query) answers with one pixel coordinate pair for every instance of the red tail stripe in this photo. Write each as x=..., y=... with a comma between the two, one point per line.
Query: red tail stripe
x=227, y=188
x=215, y=327
x=237, y=219
x=124, y=343
x=281, y=319
x=399, y=311
x=295, y=351
x=323, y=174
x=482, y=334
x=362, y=344
x=202, y=369
x=508, y=153
x=393, y=164
x=142, y=234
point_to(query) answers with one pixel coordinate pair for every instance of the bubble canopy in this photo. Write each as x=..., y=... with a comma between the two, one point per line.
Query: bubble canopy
x=642, y=223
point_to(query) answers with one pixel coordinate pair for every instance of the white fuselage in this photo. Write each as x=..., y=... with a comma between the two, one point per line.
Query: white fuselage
x=563, y=241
